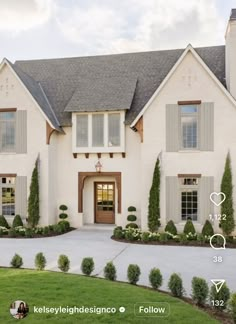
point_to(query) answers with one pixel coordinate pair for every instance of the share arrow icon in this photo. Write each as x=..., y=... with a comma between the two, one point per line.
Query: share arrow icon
x=218, y=283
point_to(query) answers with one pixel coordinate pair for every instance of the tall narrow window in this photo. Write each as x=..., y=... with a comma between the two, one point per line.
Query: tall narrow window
x=189, y=198
x=7, y=131
x=7, y=196
x=98, y=130
x=82, y=130
x=189, y=126
x=114, y=129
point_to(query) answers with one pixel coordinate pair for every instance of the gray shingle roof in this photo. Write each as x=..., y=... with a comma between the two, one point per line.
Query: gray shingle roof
x=103, y=93
x=233, y=14
x=60, y=78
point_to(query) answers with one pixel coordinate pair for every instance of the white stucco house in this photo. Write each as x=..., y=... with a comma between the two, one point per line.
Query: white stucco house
x=122, y=111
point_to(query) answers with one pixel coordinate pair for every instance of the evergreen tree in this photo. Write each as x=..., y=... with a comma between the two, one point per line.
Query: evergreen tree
x=154, y=200
x=33, y=201
x=228, y=223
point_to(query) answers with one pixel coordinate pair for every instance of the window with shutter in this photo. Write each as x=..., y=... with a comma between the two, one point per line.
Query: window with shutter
x=7, y=131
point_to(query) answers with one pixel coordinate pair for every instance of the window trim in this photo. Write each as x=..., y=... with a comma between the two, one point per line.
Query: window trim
x=106, y=148
x=197, y=115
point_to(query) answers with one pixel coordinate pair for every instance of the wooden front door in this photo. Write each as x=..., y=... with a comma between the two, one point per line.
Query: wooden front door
x=104, y=202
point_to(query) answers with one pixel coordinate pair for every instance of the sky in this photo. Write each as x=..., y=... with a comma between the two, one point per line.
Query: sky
x=34, y=29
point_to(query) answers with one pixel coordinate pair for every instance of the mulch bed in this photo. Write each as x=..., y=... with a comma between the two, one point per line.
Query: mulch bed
x=172, y=243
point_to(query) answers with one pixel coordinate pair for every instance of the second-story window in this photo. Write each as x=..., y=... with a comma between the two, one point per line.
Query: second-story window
x=98, y=130
x=189, y=126
x=7, y=131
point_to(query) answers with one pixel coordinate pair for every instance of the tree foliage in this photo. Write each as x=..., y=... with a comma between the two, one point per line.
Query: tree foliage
x=154, y=200
x=33, y=201
x=228, y=223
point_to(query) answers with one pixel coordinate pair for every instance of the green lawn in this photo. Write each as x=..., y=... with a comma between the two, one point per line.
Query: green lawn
x=58, y=289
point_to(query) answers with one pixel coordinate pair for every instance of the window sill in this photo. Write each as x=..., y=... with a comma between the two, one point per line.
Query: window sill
x=95, y=150
x=7, y=153
x=189, y=151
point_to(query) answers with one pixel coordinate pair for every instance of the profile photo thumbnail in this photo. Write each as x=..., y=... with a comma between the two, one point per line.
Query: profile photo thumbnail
x=19, y=309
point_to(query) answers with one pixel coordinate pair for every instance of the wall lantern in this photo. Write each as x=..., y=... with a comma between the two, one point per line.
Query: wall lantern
x=98, y=166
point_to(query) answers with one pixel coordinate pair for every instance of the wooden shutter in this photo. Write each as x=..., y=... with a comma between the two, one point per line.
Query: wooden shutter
x=172, y=199
x=206, y=207
x=172, y=128
x=21, y=131
x=21, y=196
x=206, y=127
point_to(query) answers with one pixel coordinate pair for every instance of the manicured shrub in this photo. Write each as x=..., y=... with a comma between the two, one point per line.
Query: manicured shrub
x=17, y=221
x=155, y=278
x=63, y=263
x=28, y=232
x=171, y=228
x=175, y=285
x=133, y=273
x=200, y=290
x=110, y=271
x=131, y=209
x=232, y=306
x=16, y=261
x=154, y=200
x=40, y=261
x=145, y=237
x=189, y=227
x=3, y=222
x=33, y=201
x=12, y=232
x=207, y=229
x=201, y=238
x=163, y=237
x=118, y=232
x=183, y=238
x=132, y=225
x=45, y=230
x=63, y=207
x=228, y=223
x=131, y=218
x=229, y=239
x=87, y=266
x=222, y=296
x=65, y=225
x=63, y=216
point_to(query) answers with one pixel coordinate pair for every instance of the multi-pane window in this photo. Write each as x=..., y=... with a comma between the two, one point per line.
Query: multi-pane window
x=7, y=196
x=7, y=131
x=98, y=130
x=114, y=130
x=82, y=130
x=189, y=198
x=189, y=126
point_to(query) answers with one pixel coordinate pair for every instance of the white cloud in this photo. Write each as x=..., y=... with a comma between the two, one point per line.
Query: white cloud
x=134, y=25
x=21, y=15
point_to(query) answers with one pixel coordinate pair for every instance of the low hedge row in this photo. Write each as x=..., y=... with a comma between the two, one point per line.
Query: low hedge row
x=133, y=234
x=201, y=294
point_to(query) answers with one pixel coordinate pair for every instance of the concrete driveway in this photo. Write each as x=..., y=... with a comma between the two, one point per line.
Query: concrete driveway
x=96, y=243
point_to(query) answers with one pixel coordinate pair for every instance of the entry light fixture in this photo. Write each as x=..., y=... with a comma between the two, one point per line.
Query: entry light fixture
x=98, y=166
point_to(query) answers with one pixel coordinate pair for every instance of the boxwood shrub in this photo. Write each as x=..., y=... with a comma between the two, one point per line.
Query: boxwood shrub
x=40, y=261
x=175, y=285
x=171, y=228
x=133, y=273
x=17, y=261
x=189, y=227
x=200, y=290
x=87, y=266
x=110, y=271
x=132, y=225
x=155, y=278
x=17, y=221
x=207, y=229
x=145, y=237
x=3, y=222
x=131, y=209
x=118, y=232
x=131, y=218
x=222, y=295
x=63, y=263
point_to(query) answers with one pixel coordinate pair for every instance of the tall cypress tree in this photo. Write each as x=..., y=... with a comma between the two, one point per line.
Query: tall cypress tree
x=227, y=224
x=154, y=200
x=33, y=201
